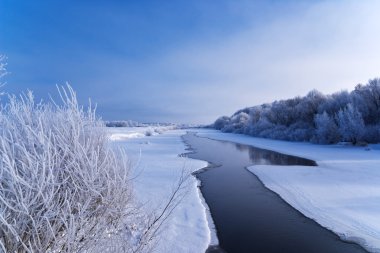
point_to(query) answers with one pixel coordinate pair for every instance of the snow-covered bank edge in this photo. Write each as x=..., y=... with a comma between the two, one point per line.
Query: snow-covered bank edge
x=297, y=200
x=214, y=241
x=190, y=227
x=341, y=194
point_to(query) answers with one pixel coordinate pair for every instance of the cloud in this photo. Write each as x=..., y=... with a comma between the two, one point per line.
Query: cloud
x=198, y=60
x=326, y=45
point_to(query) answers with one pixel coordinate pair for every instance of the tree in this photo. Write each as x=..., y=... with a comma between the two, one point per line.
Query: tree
x=221, y=122
x=367, y=99
x=308, y=106
x=239, y=122
x=326, y=129
x=351, y=124
x=353, y=116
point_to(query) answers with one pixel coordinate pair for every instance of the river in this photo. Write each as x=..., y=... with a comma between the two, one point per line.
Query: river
x=249, y=217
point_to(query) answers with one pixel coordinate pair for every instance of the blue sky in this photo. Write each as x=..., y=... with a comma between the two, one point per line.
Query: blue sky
x=187, y=61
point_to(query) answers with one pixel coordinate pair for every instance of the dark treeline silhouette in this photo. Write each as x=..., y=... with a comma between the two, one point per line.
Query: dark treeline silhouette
x=341, y=117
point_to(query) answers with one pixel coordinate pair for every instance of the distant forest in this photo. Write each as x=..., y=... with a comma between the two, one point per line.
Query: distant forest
x=124, y=123
x=326, y=119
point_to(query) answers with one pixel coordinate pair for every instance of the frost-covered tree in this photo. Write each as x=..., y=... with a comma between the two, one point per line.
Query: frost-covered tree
x=335, y=102
x=309, y=105
x=221, y=122
x=367, y=99
x=262, y=127
x=326, y=130
x=351, y=124
x=372, y=134
x=299, y=131
x=239, y=122
x=313, y=117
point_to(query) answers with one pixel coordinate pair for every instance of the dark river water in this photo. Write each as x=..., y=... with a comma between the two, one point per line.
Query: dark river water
x=249, y=217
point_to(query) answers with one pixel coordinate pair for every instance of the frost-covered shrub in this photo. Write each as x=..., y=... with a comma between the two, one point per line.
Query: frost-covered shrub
x=149, y=132
x=62, y=187
x=3, y=71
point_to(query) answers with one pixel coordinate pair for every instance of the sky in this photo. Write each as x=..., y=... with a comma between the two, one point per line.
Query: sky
x=187, y=61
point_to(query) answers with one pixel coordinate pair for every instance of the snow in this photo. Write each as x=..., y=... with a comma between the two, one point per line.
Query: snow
x=125, y=133
x=158, y=166
x=342, y=193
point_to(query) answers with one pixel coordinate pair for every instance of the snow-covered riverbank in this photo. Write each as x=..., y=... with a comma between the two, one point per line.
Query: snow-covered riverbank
x=342, y=193
x=159, y=166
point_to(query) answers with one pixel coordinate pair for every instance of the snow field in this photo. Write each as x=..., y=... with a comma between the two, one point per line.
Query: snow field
x=125, y=133
x=158, y=166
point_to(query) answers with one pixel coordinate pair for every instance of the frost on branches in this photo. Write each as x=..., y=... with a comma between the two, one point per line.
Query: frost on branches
x=3, y=71
x=62, y=187
x=343, y=116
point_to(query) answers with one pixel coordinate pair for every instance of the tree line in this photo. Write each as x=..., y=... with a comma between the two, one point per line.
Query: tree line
x=325, y=119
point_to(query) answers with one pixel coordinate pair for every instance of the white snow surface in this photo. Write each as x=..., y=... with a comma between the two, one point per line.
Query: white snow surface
x=342, y=193
x=158, y=165
x=125, y=133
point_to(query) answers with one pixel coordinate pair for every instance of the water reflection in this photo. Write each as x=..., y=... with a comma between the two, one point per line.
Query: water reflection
x=267, y=157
